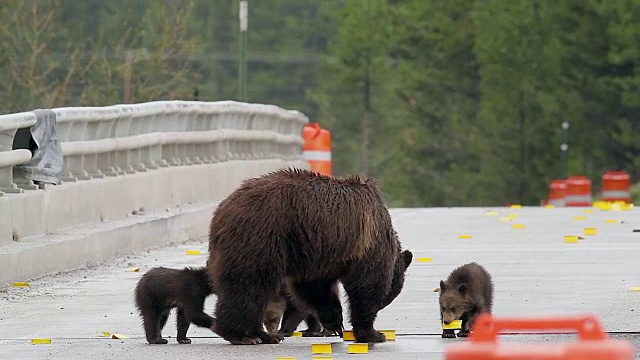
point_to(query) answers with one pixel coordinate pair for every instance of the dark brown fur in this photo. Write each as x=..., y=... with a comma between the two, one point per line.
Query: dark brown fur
x=311, y=230
x=467, y=292
x=161, y=289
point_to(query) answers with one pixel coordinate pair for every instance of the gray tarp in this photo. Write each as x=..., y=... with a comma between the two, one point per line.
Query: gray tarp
x=46, y=163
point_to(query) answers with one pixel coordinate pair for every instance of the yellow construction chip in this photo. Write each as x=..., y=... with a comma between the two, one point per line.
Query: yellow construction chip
x=516, y=206
x=347, y=335
x=465, y=236
x=321, y=348
x=36, y=341
x=134, y=269
x=193, y=252
x=518, y=226
x=296, y=334
x=390, y=335
x=491, y=213
x=286, y=358
x=454, y=325
x=570, y=239
x=424, y=259
x=119, y=336
x=106, y=333
x=611, y=221
x=358, y=348
x=20, y=283
x=634, y=288
x=578, y=218
x=590, y=231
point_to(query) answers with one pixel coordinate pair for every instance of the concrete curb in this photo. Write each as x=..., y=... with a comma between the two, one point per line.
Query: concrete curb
x=92, y=244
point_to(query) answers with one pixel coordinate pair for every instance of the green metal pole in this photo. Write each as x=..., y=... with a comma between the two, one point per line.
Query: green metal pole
x=242, y=69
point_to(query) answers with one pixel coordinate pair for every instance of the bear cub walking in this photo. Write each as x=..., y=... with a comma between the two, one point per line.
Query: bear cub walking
x=467, y=292
x=161, y=289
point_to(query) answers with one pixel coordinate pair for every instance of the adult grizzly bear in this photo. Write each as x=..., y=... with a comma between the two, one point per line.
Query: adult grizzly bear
x=310, y=231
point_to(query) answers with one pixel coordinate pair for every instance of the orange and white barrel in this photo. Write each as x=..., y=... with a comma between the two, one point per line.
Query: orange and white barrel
x=317, y=148
x=615, y=186
x=578, y=191
x=557, y=193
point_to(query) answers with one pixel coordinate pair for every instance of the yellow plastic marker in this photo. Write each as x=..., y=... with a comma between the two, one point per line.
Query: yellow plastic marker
x=347, y=335
x=513, y=216
x=611, y=221
x=516, y=206
x=634, y=288
x=321, y=348
x=465, y=236
x=119, y=336
x=36, y=341
x=296, y=334
x=193, y=252
x=20, y=283
x=578, y=218
x=626, y=207
x=390, y=335
x=436, y=290
x=322, y=357
x=588, y=211
x=424, y=259
x=358, y=348
x=106, y=333
x=549, y=206
x=134, y=269
x=454, y=325
x=570, y=239
x=518, y=226
x=286, y=358
x=491, y=213
x=590, y=231
x=506, y=218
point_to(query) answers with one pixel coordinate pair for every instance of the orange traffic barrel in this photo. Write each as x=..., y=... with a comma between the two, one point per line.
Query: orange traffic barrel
x=592, y=342
x=615, y=186
x=578, y=191
x=557, y=193
x=317, y=148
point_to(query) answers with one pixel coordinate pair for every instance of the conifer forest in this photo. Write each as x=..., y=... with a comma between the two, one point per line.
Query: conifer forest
x=445, y=103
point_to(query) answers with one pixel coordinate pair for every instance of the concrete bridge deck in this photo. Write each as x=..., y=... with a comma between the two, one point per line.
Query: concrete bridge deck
x=535, y=273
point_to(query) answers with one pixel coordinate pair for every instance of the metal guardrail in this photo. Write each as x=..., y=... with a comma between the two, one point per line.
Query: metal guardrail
x=119, y=139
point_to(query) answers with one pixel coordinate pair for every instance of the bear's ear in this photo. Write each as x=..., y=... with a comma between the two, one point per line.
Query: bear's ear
x=407, y=257
x=462, y=289
x=443, y=286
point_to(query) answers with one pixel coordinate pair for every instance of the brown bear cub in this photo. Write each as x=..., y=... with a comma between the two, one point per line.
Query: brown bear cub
x=161, y=289
x=310, y=230
x=467, y=292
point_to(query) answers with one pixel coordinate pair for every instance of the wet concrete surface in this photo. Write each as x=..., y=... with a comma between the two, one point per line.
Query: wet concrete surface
x=535, y=273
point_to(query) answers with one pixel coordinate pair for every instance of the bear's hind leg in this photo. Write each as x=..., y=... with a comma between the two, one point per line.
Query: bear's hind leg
x=366, y=295
x=152, y=320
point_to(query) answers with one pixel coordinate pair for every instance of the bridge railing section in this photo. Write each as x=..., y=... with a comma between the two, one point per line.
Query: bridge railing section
x=96, y=142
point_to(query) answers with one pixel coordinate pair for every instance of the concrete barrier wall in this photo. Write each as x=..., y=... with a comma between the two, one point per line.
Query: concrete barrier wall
x=133, y=176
